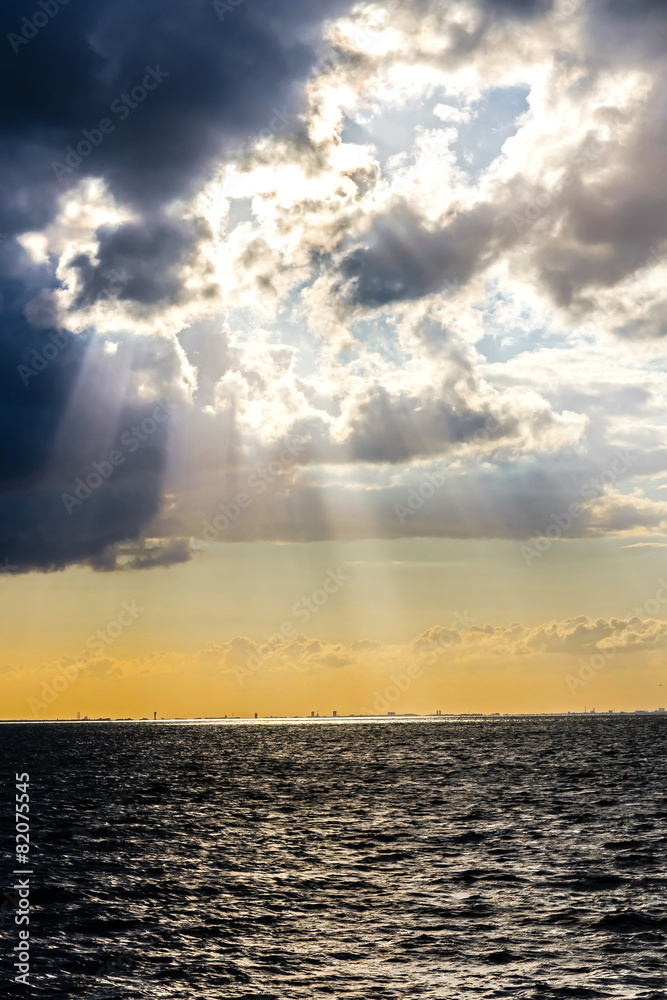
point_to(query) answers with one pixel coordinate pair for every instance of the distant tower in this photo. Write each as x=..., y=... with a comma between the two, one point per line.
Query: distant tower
x=255, y=714
x=154, y=716
x=335, y=714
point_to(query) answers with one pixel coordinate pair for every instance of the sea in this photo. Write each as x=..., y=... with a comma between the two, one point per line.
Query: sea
x=448, y=857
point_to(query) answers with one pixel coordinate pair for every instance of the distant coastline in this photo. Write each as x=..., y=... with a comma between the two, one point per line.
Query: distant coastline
x=389, y=717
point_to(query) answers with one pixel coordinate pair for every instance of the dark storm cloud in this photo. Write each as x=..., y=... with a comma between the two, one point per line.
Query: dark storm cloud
x=612, y=225
x=195, y=85
x=48, y=519
x=628, y=13
x=622, y=29
x=177, y=550
x=609, y=220
x=517, y=8
x=144, y=555
x=403, y=259
x=38, y=532
x=221, y=82
x=30, y=405
x=135, y=261
x=502, y=502
x=394, y=430
x=59, y=414
x=608, y=226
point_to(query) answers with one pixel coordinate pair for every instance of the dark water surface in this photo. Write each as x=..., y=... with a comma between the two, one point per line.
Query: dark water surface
x=453, y=858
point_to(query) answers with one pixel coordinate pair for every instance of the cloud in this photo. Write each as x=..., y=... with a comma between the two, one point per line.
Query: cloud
x=518, y=8
x=646, y=545
x=134, y=261
x=580, y=636
x=60, y=412
x=39, y=530
x=177, y=550
x=437, y=654
x=405, y=260
x=208, y=87
x=378, y=295
x=221, y=82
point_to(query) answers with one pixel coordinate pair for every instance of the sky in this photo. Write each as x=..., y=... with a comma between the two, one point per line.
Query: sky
x=332, y=366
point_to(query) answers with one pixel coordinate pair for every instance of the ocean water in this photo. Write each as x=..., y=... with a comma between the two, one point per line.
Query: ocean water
x=474, y=857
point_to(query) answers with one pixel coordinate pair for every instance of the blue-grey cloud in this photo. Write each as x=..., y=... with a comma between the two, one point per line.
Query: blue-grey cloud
x=403, y=259
x=146, y=98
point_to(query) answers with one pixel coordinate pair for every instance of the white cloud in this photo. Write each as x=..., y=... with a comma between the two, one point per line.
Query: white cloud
x=385, y=308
